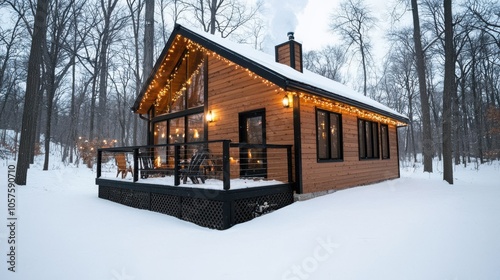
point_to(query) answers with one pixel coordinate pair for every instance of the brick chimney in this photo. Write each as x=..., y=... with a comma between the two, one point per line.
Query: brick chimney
x=290, y=53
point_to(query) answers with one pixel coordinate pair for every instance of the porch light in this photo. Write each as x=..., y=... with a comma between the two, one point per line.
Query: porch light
x=286, y=101
x=209, y=117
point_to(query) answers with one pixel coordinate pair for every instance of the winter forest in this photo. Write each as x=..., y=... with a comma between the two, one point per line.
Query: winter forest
x=71, y=69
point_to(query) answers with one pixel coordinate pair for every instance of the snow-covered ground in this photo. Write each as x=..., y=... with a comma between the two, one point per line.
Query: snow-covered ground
x=415, y=227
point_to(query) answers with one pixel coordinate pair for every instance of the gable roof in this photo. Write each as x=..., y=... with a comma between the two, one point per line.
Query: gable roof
x=280, y=74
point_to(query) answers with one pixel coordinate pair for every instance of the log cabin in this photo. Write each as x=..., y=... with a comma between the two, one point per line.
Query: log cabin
x=271, y=133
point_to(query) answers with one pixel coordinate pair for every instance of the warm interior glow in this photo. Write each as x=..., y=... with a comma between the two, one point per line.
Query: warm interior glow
x=158, y=161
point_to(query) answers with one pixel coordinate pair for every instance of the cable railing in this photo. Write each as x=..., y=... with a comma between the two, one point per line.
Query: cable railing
x=217, y=163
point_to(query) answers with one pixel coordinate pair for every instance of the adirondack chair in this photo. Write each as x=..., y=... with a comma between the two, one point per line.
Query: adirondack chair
x=193, y=171
x=122, y=165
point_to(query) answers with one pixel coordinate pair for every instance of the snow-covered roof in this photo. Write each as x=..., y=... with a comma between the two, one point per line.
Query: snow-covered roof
x=283, y=75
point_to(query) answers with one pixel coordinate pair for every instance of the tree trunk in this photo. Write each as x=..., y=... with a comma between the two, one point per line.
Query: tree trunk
x=213, y=13
x=50, y=104
x=32, y=87
x=148, y=39
x=363, y=61
x=424, y=99
x=449, y=86
x=477, y=102
x=103, y=84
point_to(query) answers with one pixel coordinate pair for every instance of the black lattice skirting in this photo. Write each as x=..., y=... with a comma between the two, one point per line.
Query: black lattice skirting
x=208, y=208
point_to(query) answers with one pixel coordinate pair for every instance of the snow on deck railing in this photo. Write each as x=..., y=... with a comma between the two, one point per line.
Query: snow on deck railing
x=211, y=162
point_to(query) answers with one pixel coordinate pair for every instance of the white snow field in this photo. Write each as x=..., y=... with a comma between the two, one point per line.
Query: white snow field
x=415, y=227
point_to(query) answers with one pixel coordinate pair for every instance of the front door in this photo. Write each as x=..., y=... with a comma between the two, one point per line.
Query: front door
x=252, y=130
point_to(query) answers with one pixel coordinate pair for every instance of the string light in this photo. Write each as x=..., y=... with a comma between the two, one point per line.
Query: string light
x=193, y=47
x=347, y=109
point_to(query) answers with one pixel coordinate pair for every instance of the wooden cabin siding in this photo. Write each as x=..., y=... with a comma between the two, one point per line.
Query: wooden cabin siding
x=351, y=171
x=284, y=54
x=232, y=91
x=298, y=56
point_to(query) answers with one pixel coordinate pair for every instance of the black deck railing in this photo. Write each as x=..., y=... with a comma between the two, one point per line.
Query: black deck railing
x=224, y=160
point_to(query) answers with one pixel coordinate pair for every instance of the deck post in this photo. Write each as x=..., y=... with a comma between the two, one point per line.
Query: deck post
x=226, y=175
x=227, y=217
x=136, y=165
x=177, y=156
x=99, y=161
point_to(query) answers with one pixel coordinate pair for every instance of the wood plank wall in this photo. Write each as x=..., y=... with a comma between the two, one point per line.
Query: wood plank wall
x=284, y=54
x=351, y=171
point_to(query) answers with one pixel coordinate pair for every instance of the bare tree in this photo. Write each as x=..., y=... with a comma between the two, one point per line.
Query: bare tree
x=56, y=64
x=327, y=62
x=449, y=87
x=487, y=13
x=107, y=7
x=399, y=80
x=32, y=89
x=173, y=9
x=222, y=16
x=353, y=21
x=424, y=98
x=147, y=64
x=9, y=40
x=135, y=9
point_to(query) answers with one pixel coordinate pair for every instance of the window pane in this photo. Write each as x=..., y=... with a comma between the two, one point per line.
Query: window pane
x=195, y=128
x=385, y=141
x=375, y=139
x=368, y=137
x=176, y=131
x=334, y=136
x=160, y=133
x=195, y=90
x=361, y=139
x=178, y=101
x=322, y=135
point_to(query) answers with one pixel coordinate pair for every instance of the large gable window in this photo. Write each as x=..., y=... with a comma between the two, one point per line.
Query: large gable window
x=328, y=135
x=368, y=139
x=185, y=86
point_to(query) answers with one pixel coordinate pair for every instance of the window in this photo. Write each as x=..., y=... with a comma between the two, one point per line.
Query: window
x=368, y=139
x=384, y=135
x=195, y=131
x=328, y=135
x=184, y=87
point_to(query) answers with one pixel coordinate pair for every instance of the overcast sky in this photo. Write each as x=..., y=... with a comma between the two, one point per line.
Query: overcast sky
x=310, y=19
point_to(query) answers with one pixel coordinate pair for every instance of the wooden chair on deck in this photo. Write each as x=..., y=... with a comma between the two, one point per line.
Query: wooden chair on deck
x=193, y=171
x=146, y=165
x=122, y=165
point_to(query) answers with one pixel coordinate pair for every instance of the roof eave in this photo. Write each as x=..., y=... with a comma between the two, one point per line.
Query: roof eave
x=294, y=85
x=155, y=68
x=264, y=72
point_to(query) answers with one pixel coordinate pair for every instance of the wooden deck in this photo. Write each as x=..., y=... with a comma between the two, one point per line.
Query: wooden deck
x=217, y=207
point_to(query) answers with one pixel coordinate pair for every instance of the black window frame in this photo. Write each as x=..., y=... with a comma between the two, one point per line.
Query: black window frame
x=368, y=140
x=340, y=142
